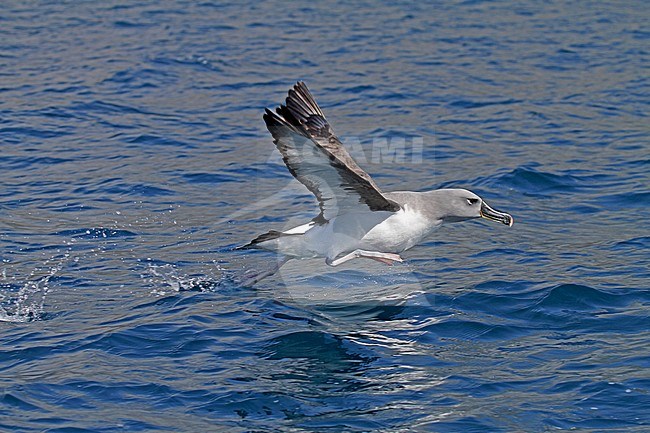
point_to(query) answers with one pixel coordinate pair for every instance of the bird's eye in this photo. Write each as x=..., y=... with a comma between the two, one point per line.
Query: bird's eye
x=471, y=201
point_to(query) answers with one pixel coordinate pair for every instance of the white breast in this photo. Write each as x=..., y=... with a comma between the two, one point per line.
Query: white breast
x=399, y=232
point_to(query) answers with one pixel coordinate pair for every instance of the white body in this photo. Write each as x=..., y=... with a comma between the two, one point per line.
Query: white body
x=375, y=231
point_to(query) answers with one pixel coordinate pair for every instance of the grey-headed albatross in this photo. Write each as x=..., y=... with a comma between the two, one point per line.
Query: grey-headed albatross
x=356, y=218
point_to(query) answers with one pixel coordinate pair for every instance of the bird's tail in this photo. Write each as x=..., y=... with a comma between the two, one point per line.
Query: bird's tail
x=268, y=236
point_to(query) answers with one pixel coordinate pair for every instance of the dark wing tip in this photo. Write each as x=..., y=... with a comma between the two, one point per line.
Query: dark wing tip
x=272, y=120
x=301, y=102
x=300, y=111
x=269, y=116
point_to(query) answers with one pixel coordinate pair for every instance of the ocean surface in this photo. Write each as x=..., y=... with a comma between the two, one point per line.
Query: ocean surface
x=133, y=158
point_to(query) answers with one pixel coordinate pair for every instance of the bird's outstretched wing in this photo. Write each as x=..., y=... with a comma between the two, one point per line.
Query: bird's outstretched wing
x=316, y=157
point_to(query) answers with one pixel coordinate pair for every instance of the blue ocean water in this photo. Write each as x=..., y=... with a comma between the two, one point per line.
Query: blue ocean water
x=133, y=157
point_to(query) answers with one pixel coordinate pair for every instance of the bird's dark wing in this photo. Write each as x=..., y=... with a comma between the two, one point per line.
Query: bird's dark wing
x=316, y=157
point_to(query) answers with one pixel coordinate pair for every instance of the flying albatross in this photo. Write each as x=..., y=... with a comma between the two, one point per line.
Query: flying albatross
x=356, y=218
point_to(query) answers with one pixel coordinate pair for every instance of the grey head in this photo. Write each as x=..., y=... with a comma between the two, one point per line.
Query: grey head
x=453, y=205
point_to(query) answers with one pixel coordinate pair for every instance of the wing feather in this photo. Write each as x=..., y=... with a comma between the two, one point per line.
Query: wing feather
x=316, y=157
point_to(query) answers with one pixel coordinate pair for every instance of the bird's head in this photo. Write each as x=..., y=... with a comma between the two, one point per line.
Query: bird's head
x=461, y=205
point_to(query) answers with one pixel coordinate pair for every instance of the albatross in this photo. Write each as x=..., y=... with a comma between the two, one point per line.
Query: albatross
x=356, y=219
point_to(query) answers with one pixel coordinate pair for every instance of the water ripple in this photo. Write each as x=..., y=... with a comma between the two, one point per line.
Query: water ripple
x=134, y=157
